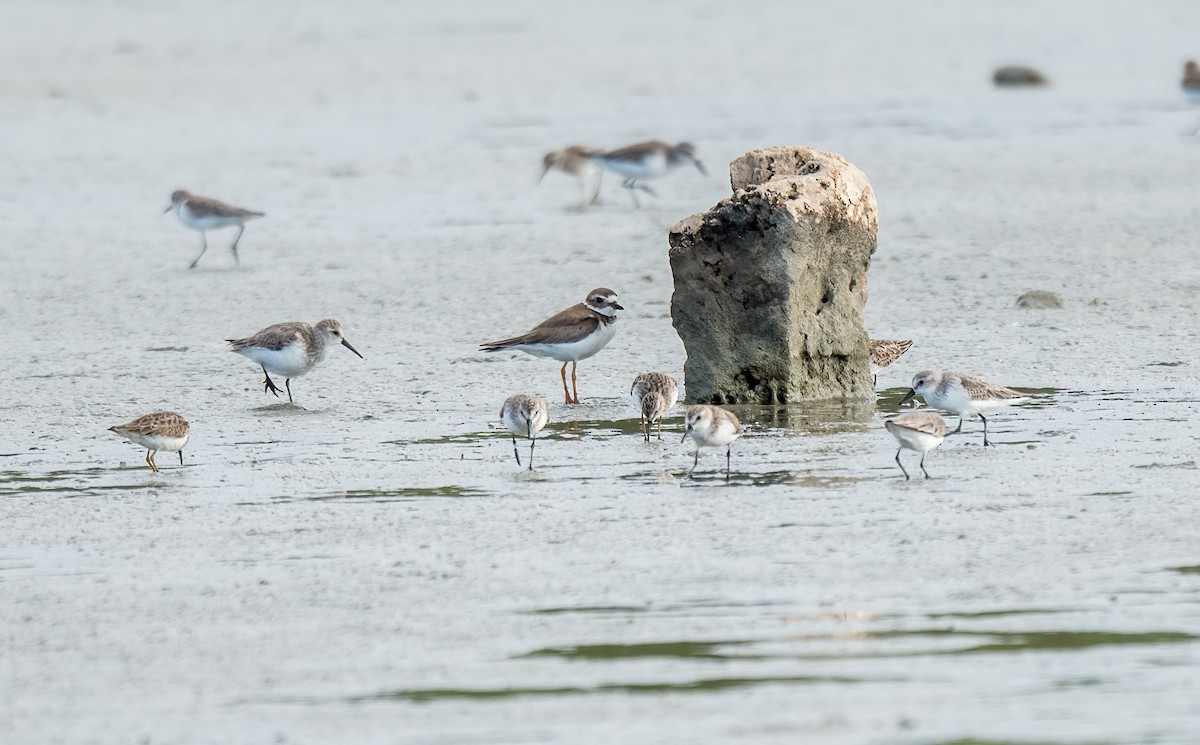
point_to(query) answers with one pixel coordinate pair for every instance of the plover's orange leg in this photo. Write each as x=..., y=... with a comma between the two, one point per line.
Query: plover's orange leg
x=566, y=393
x=574, y=390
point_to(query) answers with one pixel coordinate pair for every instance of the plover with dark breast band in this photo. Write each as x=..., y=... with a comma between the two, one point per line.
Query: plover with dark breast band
x=570, y=336
x=203, y=214
x=290, y=349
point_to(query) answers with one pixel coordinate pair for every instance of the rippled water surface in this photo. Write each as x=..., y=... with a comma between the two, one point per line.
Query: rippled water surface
x=371, y=566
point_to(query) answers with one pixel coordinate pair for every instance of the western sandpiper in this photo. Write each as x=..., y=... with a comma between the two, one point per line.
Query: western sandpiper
x=711, y=426
x=570, y=336
x=654, y=394
x=524, y=415
x=290, y=349
x=204, y=214
x=962, y=394
x=920, y=431
x=573, y=160
x=646, y=160
x=162, y=430
x=884, y=352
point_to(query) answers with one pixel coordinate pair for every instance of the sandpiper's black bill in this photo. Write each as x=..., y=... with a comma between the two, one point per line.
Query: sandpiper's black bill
x=168, y=209
x=346, y=344
x=699, y=165
x=907, y=396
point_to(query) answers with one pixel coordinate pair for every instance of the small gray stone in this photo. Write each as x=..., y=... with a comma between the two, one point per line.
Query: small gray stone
x=1018, y=75
x=1039, y=299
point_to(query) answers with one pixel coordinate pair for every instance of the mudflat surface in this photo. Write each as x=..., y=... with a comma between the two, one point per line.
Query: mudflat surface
x=373, y=567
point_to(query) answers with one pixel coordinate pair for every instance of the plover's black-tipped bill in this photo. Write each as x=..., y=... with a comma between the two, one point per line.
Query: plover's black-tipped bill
x=346, y=344
x=618, y=306
x=908, y=396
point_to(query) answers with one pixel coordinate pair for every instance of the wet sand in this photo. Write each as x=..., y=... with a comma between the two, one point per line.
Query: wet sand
x=373, y=568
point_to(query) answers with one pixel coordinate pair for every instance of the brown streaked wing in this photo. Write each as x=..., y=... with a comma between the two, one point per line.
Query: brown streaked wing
x=886, y=351
x=206, y=207
x=978, y=388
x=570, y=325
x=161, y=423
x=636, y=152
x=274, y=337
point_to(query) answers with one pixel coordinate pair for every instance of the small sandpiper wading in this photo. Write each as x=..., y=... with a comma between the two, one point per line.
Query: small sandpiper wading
x=962, y=394
x=646, y=160
x=654, y=394
x=712, y=427
x=290, y=349
x=524, y=415
x=919, y=431
x=204, y=214
x=570, y=336
x=573, y=160
x=162, y=430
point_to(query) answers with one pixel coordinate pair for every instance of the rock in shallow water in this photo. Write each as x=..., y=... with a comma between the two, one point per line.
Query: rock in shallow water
x=770, y=283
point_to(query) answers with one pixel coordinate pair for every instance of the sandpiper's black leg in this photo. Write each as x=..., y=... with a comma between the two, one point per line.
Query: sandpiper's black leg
x=985, y=439
x=181, y=457
x=659, y=429
x=923, y=465
x=518, y=455
x=901, y=464
x=287, y=383
x=645, y=427
x=241, y=229
x=269, y=385
x=596, y=191
x=728, y=450
x=959, y=427
x=203, y=248
x=695, y=462
x=532, y=442
x=631, y=185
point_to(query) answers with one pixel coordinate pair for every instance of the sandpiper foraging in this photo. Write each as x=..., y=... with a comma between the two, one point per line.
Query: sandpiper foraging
x=962, y=394
x=654, y=393
x=884, y=352
x=204, y=214
x=573, y=160
x=160, y=430
x=711, y=426
x=290, y=349
x=569, y=336
x=920, y=431
x=524, y=414
x=646, y=160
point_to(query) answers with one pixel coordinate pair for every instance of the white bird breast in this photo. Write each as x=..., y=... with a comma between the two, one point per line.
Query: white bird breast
x=911, y=439
x=721, y=435
x=573, y=351
x=652, y=166
x=291, y=361
x=514, y=422
x=207, y=222
x=158, y=442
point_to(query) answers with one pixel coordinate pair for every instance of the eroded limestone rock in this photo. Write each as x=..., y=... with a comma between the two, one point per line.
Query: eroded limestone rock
x=770, y=283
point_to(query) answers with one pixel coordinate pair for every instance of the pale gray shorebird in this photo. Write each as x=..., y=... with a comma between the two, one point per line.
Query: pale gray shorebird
x=161, y=430
x=962, y=394
x=646, y=160
x=654, y=394
x=570, y=336
x=711, y=426
x=204, y=214
x=290, y=349
x=920, y=431
x=884, y=352
x=524, y=415
x=573, y=160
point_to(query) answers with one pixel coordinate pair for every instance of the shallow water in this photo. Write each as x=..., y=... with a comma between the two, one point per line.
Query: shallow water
x=374, y=568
